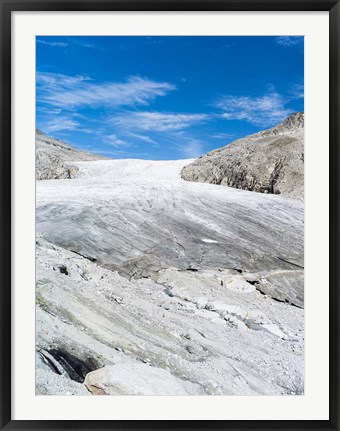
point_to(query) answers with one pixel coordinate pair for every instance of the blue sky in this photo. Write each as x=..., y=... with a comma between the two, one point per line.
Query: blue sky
x=160, y=97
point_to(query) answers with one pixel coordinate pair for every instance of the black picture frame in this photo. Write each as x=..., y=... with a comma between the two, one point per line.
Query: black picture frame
x=7, y=7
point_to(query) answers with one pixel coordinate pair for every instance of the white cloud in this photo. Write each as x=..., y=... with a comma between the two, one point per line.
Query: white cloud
x=48, y=82
x=70, y=92
x=288, y=40
x=60, y=44
x=144, y=138
x=192, y=149
x=222, y=135
x=116, y=142
x=267, y=110
x=83, y=44
x=49, y=111
x=297, y=91
x=70, y=41
x=157, y=121
x=59, y=123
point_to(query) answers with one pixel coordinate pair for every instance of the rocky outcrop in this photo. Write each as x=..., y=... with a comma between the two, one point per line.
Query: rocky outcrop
x=208, y=332
x=271, y=161
x=54, y=157
x=138, y=379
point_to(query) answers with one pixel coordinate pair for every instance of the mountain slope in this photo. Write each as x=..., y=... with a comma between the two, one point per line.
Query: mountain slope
x=271, y=161
x=53, y=157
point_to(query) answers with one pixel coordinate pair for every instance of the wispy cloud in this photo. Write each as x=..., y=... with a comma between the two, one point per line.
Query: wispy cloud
x=49, y=110
x=171, y=130
x=48, y=82
x=192, y=149
x=288, y=40
x=140, y=137
x=71, y=41
x=297, y=91
x=222, y=135
x=70, y=92
x=157, y=121
x=265, y=110
x=59, y=123
x=59, y=44
x=82, y=43
x=116, y=142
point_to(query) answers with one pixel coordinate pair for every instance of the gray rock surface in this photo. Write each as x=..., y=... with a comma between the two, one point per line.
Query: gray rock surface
x=271, y=161
x=53, y=158
x=149, y=284
x=207, y=332
x=138, y=379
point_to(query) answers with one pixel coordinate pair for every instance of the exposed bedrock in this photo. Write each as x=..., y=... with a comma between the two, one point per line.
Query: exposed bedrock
x=271, y=161
x=54, y=158
x=186, y=333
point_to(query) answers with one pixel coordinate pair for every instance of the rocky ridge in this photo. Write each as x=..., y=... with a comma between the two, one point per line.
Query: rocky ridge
x=54, y=157
x=271, y=161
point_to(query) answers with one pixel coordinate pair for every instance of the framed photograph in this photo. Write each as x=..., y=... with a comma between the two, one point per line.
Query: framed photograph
x=169, y=215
